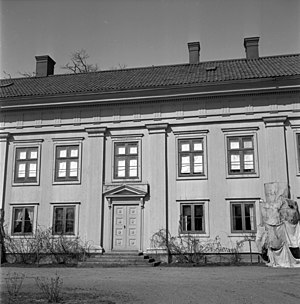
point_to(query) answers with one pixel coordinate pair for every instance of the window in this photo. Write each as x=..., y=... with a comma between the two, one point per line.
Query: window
x=241, y=158
x=67, y=163
x=192, y=218
x=243, y=217
x=22, y=220
x=126, y=160
x=298, y=149
x=26, y=165
x=191, y=157
x=64, y=220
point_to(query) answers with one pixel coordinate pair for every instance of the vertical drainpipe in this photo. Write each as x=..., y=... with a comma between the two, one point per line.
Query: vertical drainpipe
x=167, y=196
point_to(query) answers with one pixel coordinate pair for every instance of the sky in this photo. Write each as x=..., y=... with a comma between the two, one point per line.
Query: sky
x=139, y=33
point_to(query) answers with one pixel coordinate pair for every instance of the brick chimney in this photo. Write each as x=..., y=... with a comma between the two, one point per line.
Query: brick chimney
x=194, y=52
x=44, y=66
x=251, y=47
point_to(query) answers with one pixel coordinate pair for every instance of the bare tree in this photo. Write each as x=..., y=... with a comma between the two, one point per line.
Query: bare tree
x=79, y=63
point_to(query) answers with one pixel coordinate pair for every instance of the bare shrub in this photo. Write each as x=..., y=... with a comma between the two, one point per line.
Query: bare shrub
x=50, y=287
x=14, y=283
x=31, y=249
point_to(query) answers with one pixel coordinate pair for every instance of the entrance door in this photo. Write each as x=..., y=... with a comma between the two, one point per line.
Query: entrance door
x=125, y=227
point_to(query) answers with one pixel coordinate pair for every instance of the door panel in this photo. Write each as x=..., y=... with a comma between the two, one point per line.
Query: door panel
x=125, y=230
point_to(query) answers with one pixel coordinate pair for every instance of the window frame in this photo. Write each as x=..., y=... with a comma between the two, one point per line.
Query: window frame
x=68, y=144
x=26, y=181
x=241, y=133
x=193, y=217
x=127, y=143
x=242, y=203
x=298, y=151
x=13, y=207
x=65, y=205
x=191, y=138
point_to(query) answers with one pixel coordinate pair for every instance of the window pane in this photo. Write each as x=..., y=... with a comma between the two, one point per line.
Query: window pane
x=18, y=218
x=121, y=150
x=249, y=216
x=247, y=143
x=198, y=164
x=22, y=155
x=69, y=226
x=32, y=170
x=63, y=153
x=28, y=221
x=248, y=161
x=198, y=146
x=21, y=170
x=73, y=168
x=198, y=211
x=235, y=162
x=74, y=152
x=121, y=168
x=133, y=168
x=185, y=147
x=185, y=164
x=33, y=154
x=186, y=218
x=132, y=150
x=234, y=144
x=62, y=169
x=237, y=217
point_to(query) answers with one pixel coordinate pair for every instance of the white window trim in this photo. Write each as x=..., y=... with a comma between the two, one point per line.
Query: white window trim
x=127, y=140
x=205, y=162
x=77, y=210
x=255, y=201
x=205, y=203
x=34, y=222
x=21, y=144
x=67, y=142
x=241, y=132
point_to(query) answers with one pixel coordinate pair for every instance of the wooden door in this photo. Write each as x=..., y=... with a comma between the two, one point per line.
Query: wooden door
x=125, y=227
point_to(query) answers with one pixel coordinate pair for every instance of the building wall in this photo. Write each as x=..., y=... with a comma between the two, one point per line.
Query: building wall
x=273, y=120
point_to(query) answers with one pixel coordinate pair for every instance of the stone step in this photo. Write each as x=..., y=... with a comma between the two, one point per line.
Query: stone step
x=118, y=259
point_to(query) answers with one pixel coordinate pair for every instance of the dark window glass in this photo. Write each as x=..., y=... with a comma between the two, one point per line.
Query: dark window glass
x=64, y=220
x=243, y=217
x=23, y=220
x=192, y=218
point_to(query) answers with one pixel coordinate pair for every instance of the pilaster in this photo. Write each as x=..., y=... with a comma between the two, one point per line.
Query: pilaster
x=3, y=164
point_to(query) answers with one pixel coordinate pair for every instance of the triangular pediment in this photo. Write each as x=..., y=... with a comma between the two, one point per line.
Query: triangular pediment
x=125, y=190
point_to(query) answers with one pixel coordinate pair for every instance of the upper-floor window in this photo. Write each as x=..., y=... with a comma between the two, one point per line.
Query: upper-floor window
x=241, y=156
x=298, y=151
x=67, y=164
x=64, y=220
x=126, y=160
x=190, y=157
x=22, y=220
x=192, y=218
x=26, y=165
x=243, y=217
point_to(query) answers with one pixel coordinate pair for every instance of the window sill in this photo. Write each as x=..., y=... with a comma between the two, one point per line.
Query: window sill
x=126, y=180
x=14, y=184
x=202, y=177
x=242, y=234
x=195, y=235
x=66, y=182
x=233, y=176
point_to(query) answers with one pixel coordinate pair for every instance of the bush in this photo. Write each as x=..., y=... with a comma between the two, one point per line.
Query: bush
x=50, y=287
x=33, y=248
x=13, y=284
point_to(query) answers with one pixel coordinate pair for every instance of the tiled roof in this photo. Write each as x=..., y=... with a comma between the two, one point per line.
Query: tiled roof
x=153, y=77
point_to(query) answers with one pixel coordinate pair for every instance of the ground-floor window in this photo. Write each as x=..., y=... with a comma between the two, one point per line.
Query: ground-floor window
x=192, y=218
x=243, y=217
x=64, y=220
x=23, y=220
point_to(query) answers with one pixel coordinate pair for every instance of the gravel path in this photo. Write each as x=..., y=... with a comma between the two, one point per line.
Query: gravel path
x=166, y=285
